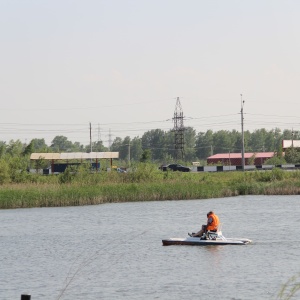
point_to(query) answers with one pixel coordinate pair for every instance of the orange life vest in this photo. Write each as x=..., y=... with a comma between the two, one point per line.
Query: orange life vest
x=215, y=222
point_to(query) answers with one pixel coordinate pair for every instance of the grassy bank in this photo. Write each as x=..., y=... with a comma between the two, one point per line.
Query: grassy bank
x=144, y=184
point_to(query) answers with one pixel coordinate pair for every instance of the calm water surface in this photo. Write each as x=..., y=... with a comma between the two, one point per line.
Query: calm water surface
x=114, y=251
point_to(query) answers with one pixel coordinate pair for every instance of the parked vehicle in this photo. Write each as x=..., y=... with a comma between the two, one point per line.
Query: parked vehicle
x=176, y=167
x=120, y=170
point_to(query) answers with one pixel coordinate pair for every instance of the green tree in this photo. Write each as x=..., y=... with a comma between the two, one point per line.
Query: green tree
x=40, y=145
x=116, y=144
x=125, y=149
x=190, y=142
x=97, y=147
x=222, y=142
x=40, y=164
x=154, y=140
x=136, y=149
x=247, y=137
x=14, y=148
x=121, y=146
x=18, y=168
x=2, y=149
x=273, y=140
x=29, y=149
x=236, y=141
x=204, y=144
x=77, y=147
x=292, y=155
x=4, y=171
x=169, y=144
x=61, y=144
x=257, y=140
x=146, y=156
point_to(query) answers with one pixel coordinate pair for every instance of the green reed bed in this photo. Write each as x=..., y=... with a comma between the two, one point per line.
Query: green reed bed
x=87, y=189
x=74, y=194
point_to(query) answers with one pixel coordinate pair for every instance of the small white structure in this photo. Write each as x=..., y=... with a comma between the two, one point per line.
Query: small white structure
x=290, y=143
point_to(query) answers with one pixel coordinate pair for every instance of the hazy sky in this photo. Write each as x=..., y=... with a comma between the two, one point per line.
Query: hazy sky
x=120, y=65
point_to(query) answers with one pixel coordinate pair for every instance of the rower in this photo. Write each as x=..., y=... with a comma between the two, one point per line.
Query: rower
x=211, y=225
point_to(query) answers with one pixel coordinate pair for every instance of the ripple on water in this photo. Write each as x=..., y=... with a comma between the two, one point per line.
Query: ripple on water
x=114, y=251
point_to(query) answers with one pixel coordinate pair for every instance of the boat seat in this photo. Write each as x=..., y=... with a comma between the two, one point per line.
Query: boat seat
x=213, y=234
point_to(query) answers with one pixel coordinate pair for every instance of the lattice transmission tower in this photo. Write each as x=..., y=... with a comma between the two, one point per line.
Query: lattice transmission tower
x=178, y=130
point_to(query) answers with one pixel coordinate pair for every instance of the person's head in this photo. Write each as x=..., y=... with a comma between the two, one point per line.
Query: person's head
x=210, y=213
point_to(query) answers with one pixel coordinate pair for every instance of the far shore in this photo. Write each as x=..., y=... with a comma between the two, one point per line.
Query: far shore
x=92, y=189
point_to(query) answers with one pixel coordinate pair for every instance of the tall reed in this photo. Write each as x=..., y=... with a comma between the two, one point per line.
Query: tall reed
x=144, y=183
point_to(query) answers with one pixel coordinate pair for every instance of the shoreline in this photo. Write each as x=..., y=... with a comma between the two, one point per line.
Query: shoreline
x=174, y=186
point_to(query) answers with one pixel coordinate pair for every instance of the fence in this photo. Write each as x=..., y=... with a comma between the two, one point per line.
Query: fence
x=247, y=168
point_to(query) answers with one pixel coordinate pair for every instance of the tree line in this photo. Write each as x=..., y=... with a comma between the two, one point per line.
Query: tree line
x=157, y=145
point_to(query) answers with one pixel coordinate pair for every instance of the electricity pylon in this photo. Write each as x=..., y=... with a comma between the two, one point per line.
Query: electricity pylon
x=178, y=130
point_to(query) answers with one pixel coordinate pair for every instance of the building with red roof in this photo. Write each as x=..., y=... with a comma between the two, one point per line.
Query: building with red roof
x=235, y=159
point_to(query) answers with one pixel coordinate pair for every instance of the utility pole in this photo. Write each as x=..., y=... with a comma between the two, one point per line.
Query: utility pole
x=99, y=133
x=243, y=139
x=179, y=130
x=91, y=137
x=129, y=154
x=109, y=139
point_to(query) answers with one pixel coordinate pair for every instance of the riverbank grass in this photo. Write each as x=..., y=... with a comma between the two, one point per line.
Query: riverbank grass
x=89, y=189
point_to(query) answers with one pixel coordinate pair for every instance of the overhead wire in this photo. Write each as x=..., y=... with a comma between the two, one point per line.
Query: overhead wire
x=119, y=128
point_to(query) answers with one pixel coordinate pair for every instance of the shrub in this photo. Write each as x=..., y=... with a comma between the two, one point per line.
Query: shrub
x=18, y=169
x=4, y=172
x=268, y=176
x=67, y=176
x=144, y=172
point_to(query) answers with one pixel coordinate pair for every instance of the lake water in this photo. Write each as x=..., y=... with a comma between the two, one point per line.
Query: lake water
x=114, y=251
